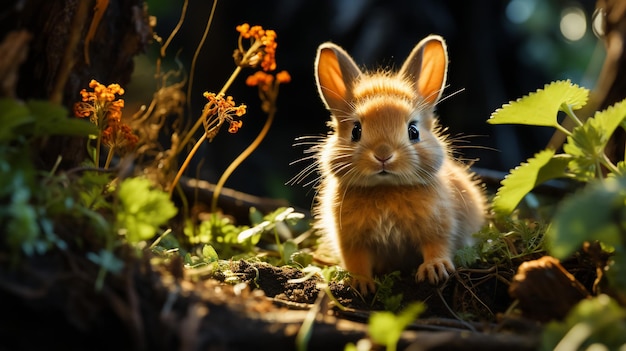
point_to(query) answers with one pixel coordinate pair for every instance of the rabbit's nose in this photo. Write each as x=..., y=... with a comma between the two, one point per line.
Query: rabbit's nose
x=383, y=159
x=383, y=153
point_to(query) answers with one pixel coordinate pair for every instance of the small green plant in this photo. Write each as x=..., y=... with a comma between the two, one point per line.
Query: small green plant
x=232, y=241
x=141, y=209
x=384, y=292
x=506, y=241
x=597, y=213
x=583, y=157
x=30, y=199
x=385, y=328
x=599, y=322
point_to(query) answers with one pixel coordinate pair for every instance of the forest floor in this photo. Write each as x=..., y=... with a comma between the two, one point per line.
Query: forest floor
x=50, y=302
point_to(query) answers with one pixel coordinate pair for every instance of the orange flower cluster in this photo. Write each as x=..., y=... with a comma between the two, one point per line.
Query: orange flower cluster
x=265, y=81
x=105, y=111
x=268, y=87
x=224, y=110
x=119, y=136
x=100, y=104
x=262, y=49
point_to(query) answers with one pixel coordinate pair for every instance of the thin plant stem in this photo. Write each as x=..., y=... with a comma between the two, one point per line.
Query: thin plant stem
x=563, y=129
x=176, y=29
x=199, y=122
x=568, y=110
x=98, y=143
x=205, y=113
x=241, y=158
x=251, y=51
x=109, y=158
x=606, y=162
x=570, y=113
x=182, y=168
x=195, y=59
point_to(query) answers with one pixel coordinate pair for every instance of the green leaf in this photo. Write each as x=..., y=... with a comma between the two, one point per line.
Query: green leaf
x=596, y=321
x=53, y=119
x=143, y=209
x=256, y=216
x=209, y=253
x=13, y=114
x=608, y=120
x=39, y=118
x=107, y=260
x=586, y=146
x=616, y=270
x=595, y=213
x=541, y=107
x=289, y=248
x=301, y=258
x=385, y=328
x=22, y=227
x=92, y=186
x=525, y=177
x=587, y=142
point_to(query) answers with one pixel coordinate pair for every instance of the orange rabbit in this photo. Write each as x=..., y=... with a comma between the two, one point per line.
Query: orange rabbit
x=390, y=194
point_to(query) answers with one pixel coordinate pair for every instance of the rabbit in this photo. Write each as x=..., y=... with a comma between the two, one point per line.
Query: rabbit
x=390, y=194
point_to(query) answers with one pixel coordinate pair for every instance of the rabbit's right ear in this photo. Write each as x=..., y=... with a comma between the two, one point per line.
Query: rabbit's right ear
x=335, y=73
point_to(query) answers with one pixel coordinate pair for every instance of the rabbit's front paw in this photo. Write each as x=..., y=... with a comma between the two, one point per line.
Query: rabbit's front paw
x=435, y=271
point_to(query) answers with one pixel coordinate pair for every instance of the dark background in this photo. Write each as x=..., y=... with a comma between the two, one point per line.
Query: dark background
x=498, y=50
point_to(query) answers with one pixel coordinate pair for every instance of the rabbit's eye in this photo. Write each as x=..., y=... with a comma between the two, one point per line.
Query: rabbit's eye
x=414, y=133
x=356, y=131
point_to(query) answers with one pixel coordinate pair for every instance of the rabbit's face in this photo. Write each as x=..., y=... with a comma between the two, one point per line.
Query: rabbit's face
x=388, y=138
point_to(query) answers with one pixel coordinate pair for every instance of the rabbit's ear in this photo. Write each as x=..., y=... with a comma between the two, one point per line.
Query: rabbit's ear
x=335, y=73
x=427, y=66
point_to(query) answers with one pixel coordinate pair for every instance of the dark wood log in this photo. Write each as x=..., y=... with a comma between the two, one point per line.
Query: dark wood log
x=199, y=194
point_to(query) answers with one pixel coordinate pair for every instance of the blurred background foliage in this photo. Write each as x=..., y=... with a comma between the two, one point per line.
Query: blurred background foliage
x=499, y=50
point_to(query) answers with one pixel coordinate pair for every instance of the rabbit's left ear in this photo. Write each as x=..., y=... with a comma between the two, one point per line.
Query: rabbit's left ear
x=427, y=65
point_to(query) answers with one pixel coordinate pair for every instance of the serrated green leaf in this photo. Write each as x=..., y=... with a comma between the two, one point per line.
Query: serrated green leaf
x=586, y=146
x=588, y=142
x=142, y=209
x=592, y=214
x=541, y=107
x=525, y=177
x=609, y=119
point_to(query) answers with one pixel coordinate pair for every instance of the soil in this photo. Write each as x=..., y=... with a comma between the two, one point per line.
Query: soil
x=51, y=302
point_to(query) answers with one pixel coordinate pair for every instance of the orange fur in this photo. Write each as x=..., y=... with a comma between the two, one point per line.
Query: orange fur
x=390, y=195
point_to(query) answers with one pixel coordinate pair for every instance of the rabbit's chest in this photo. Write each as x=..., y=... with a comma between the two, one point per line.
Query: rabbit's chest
x=393, y=215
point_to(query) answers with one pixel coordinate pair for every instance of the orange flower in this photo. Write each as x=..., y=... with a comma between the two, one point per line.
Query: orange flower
x=283, y=77
x=234, y=126
x=262, y=50
x=114, y=112
x=100, y=104
x=119, y=136
x=268, y=86
x=260, y=79
x=222, y=110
